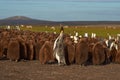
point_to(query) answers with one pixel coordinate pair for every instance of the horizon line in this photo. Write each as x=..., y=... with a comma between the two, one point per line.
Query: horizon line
x=25, y=17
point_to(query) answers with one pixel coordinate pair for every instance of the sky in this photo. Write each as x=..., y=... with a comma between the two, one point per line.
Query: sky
x=62, y=10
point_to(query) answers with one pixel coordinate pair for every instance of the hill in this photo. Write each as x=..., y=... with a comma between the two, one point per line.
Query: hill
x=18, y=20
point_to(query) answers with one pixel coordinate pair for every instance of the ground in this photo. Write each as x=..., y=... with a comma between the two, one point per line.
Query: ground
x=33, y=70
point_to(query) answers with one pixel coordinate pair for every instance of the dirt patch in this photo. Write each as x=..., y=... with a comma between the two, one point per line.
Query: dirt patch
x=33, y=70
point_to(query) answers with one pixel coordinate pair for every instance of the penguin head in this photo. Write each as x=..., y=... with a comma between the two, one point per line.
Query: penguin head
x=61, y=29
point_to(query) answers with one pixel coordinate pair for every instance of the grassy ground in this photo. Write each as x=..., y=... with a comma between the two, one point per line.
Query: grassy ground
x=100, y=30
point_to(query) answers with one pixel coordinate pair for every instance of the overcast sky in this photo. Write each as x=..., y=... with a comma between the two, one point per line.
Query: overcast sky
x=62, y=10
x=60, y=0
x=95, y=0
